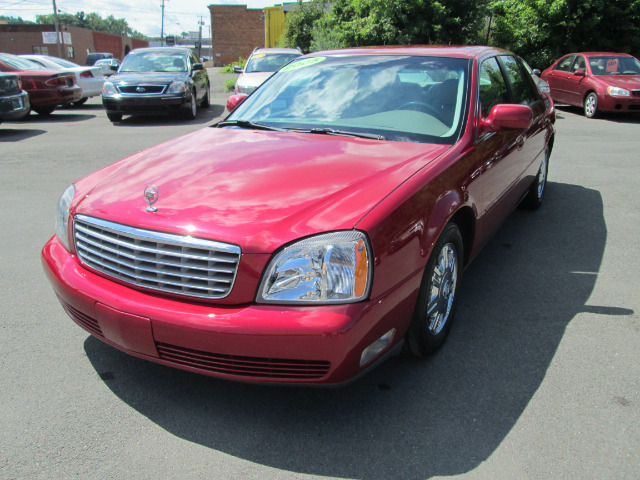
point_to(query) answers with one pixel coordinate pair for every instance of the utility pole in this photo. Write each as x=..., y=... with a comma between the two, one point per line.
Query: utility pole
x=162, y=28
x=200, y=24
x=55, y=20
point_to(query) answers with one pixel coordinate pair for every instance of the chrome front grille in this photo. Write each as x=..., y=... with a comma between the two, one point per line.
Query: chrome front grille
x=142, y=89
x=166, y=262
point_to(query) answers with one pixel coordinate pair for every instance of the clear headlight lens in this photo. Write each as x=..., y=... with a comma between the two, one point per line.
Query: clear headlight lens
x=62, y=218
x=109, y=88
x=328, y=268
x=618, y=92
x=177, y=87
x=244, y=89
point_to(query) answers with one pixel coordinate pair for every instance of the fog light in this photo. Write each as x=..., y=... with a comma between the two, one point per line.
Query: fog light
x=376, y=347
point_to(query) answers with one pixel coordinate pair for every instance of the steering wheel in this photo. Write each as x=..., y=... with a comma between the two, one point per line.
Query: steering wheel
x=421, y=106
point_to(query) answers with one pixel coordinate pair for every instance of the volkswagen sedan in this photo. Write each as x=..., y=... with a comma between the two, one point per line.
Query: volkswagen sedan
x=319, y=228
x=596, y=81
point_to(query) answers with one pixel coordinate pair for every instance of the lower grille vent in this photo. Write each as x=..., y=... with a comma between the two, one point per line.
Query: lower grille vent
x=267, y=368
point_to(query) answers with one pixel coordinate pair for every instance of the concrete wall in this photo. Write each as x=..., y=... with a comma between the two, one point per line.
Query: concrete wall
x=27, y=39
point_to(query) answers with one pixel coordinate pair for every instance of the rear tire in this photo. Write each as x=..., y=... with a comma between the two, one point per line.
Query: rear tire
x=438, y=295
x=82, y=101
x=44, y=111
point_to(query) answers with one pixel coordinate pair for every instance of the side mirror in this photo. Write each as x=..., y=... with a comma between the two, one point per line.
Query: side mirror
x=506, y=117
x=198, y=66
x=114, y=67
x=580, y=73
x=237, y=69
x=234, y=100
x=536, y=72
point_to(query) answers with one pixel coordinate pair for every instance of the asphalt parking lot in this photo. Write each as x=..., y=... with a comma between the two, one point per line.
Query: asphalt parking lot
x=540, y=378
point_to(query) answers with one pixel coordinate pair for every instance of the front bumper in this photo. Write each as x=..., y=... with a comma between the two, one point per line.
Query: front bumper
x=140, y=105
x=256, y=343
x=610, y=103
x=14, y=107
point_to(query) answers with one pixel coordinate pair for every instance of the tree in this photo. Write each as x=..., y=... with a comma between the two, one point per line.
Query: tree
x=299, y=24
x=93, y=21
x=543, y=30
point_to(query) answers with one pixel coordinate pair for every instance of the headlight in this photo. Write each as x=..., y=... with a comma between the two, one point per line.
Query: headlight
x=177, y=87
x=244, y=89
x=109, y=88
x=62, y=218
x=618, y=92
x=328, y=268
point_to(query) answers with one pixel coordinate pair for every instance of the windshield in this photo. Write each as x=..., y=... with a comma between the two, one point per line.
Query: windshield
x=64, y=63
x=401, y=98
x=154, y=62
x=614, y=65
x=268, y=62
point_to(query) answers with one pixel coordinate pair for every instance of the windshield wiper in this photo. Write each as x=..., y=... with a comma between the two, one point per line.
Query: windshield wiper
x=248, y=124
x=342, y=133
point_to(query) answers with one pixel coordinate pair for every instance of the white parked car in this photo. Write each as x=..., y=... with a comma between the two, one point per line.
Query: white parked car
x=90, y=79
x=106, y=63
x=261, y=64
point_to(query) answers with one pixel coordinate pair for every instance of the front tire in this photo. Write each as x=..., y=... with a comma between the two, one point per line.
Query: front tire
x=206, y=103
x=192, y=110
x=82, y=101
x=535, y=196
x=114, y=117
x=591, y=105
x=438, y=295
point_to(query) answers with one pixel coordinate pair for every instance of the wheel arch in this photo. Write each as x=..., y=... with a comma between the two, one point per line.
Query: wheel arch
x=465, y=219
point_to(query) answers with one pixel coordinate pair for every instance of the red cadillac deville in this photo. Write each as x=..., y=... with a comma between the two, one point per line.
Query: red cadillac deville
x=323, y=225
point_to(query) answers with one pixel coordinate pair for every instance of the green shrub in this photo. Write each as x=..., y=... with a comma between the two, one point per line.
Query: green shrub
x=229, y=85
x=229, y=68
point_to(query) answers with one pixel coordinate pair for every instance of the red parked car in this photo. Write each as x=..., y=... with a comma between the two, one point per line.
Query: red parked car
x=46, y=88
x=320, y=227
x=596, y=81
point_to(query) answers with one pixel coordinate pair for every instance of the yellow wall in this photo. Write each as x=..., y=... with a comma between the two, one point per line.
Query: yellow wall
x=273, y=25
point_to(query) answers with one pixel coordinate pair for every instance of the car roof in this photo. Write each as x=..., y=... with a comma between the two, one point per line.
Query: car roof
x=462, y=51
x=600, y=54
x=276, y=50
x=185, y=50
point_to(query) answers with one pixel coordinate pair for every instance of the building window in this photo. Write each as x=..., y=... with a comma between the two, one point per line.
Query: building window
x=40, y=50
x=70, y=53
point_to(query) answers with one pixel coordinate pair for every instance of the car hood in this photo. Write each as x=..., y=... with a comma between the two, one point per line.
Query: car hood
x=629, y=82
x=253, y=79
x=147, y=77
x=256, y=189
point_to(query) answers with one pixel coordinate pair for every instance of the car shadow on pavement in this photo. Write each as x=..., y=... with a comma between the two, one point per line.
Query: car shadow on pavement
x=13, y=135
x=205, y=115
x=56, y=117
x=409, y=418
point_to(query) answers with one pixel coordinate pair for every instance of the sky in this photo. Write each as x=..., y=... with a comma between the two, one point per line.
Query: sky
x=145, y=16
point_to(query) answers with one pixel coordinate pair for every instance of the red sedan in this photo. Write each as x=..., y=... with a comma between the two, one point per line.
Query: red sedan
x=46, y=88
x=320, y=227
x=596, y=81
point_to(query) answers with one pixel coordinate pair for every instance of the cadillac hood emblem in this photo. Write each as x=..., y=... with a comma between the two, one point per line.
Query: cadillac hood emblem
x=151, y=196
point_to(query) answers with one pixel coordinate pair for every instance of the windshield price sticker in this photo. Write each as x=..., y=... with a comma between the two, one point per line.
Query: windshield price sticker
x=303, y=63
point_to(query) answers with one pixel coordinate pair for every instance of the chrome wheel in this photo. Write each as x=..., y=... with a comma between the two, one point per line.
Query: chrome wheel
x=442, y=289
x=542, y=176
x=591, y=105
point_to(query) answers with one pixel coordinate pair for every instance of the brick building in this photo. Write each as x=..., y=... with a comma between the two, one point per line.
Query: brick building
x=76, y=42
x=236, y=30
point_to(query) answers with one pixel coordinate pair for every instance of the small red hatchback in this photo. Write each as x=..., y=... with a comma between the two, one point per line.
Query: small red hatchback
x=324, y=224
x=596, y=81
